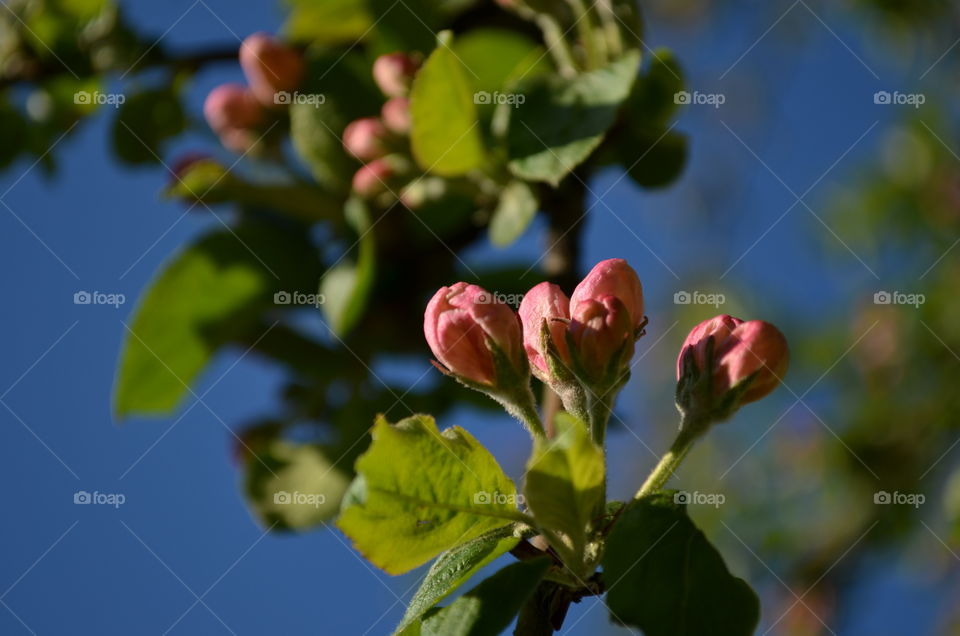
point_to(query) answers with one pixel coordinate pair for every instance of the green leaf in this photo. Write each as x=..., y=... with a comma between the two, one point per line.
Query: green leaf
x=144, y=121
x=445, y=137
x=455, y=567
x=490, y=607
x=563, y=120
x=664, y=577
x=653, y=99
x=314, y=131
x=518, y=205
x=498, y=56
x=293, y=486
x=346, y=286
x=653, y=159
x=205, y=296
x=329, y=22
x=565, y=479
x=420, y=492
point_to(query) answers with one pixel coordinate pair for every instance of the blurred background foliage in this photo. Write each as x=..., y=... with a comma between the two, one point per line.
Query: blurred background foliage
x=883, y=401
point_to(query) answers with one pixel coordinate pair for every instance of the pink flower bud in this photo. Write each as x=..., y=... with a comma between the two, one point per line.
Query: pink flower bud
x=396, y=115
x=394, y=73
x=458, y=323
x=545, y=302
x=603, y=331
x=372, y=178
x=365, y=138
x=270, y=67
x=612, y=277
x=231, y=107
x=740, y=350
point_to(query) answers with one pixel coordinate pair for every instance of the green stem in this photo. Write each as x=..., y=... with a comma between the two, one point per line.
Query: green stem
x=598, y=414
x=608, y=19
x=586, y=33
x=558, y=47
x=668, y=465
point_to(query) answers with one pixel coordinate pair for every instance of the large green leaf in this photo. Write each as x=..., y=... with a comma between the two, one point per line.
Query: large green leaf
x=346, y=286
x=419, y=492
x=456, y=566
x=329, y=22
x=446, y=137
x=563, y=120
x=204, y=297
x=489, y=608
x=664, y=577
x=565, y=479
x=144, y=122
x=293, y=486
x=496, y=57
x=516, y=209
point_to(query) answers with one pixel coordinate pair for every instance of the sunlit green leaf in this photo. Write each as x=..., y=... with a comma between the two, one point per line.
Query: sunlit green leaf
x=517, y=207
x=420, y=492
x=446, y=137
x=564, y=483
x=293, y=486
x=206, y=295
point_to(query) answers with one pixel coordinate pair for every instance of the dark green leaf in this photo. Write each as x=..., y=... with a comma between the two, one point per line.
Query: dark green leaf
x=653, y=99
x=489, y=608
x=420, y=492
x=653, y=159
x=144, y=121
x=562, y=121
x=455, y=567
x=664, y=577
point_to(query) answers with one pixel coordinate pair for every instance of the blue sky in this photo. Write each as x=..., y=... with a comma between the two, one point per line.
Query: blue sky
x=795, y=106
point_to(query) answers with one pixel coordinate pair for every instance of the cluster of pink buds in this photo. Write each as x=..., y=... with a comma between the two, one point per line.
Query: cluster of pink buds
x=726, y=362
x=236, y=112
x=373, y=140
x=581, y=347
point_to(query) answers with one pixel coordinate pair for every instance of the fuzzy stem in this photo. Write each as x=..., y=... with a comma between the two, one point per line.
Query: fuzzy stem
x=558, y=47
x=689, y=433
